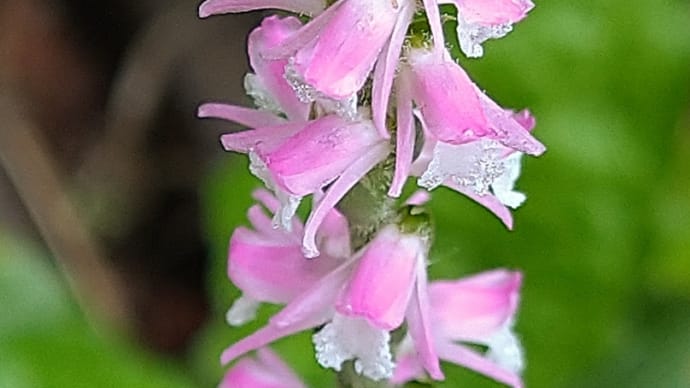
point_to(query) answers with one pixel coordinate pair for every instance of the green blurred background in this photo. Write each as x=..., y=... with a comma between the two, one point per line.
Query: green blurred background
x=603, y=240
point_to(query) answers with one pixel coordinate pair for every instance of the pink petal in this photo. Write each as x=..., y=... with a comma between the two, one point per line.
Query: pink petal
x=493, y=12
x=270, y=271
x=268, y=137
x=509, y=131
x=319, y=153
x=215, y=7
x=418, y=198
x=315, y=306
x=337, y=191
x=385, y=70
x=344, y=52
x=274, y=363
x=525, y=118
x=469, y=359
x=312, y=308
x=271, y=73
x=261, y=338
x=384, y=277
x=489, y=201
x=472, y=309
x=407, y=368
x=252, y=118
x=419, y=326
x=447, y=98
x=271, y=203
x=404, y=139
x=304, y=35
x=265, y=371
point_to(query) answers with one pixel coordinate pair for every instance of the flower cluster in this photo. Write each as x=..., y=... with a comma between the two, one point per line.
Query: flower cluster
x=341, y=89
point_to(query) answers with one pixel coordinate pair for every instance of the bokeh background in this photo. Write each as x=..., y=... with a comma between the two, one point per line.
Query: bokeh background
x=116, y=204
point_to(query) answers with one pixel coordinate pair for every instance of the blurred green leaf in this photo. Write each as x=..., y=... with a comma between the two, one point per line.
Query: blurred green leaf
x=45, y=340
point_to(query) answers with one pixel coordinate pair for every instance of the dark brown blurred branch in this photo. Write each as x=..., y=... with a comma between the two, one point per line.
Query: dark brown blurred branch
x=38, y=182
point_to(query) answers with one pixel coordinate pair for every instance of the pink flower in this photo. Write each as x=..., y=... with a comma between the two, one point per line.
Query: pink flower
x=475, y=150
x=484, y=170
x=266, y=370
x=480, y=310
x=480, y=20
x=296, y=159
x=334, y=53
x=360, y=302
x=215, y=7
x=267, y=264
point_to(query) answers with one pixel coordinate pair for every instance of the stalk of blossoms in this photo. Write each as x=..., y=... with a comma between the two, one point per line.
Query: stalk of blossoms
x=341, y=101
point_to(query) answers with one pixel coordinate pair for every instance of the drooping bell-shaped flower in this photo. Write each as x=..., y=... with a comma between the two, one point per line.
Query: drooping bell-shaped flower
x=484, y=170
x=268, y=85
x=332, y=56
x=299, y=159
x=476, y=310
x=267, y=264
x=359, y=303
x=481, y=20
x=266, y=370
x=470, y=145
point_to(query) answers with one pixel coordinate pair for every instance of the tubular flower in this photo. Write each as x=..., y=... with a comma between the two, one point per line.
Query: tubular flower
x=267, y=264
x=299, y=159
x=475, y=151
x=479, y=310
x=359, y=303
x=484, y=170
x=266, y=370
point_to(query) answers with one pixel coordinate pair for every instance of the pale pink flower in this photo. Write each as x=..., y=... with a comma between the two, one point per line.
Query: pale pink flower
x=359, y=303
x=484, y=170
x=481, y=20
x=333, y=54
x=266, y=370
x=476, y=310
x=267, y=264
x=471, y=144
x=296, y=159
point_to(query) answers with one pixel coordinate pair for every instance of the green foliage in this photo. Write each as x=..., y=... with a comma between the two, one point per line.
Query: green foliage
x=46, y=342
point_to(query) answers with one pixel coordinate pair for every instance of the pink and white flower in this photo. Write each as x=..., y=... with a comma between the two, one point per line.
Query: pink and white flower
x=479, y=310
x=296, y=159
x=359, y=303
x=267, y=264
x=481, y=20
x=471, y=144
x=266, y=370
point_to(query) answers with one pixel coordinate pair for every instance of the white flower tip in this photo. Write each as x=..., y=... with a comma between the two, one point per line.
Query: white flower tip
x=310, y=251
x=506, y=351
x=472, y=35
x=512, y=199
x=354, y=339
x=243, y=310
